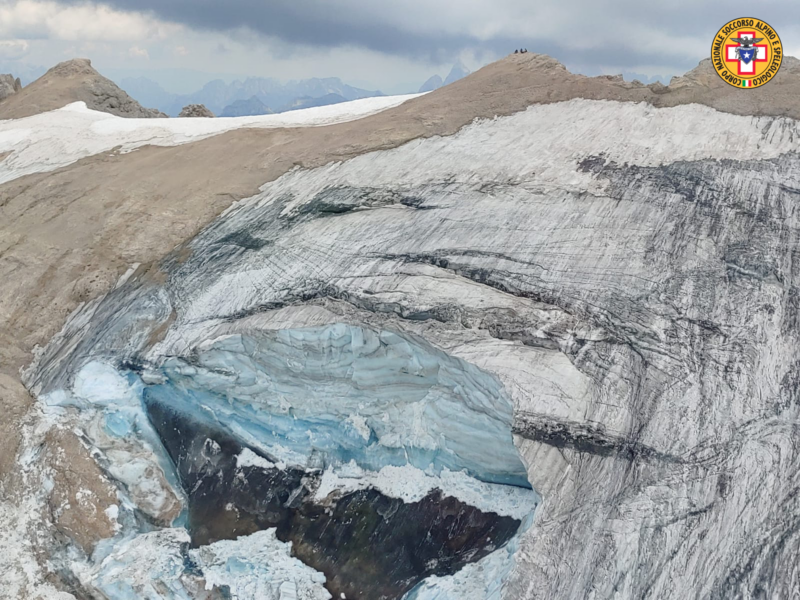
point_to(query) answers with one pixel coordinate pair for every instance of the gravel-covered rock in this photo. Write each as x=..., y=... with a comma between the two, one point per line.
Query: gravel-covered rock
x=195, y=110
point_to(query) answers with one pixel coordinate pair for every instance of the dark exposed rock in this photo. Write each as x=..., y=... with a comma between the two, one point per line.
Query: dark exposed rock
x=368, y=545
x=583, y=438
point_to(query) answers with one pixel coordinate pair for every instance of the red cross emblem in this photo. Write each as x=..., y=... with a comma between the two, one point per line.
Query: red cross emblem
x=742, y=67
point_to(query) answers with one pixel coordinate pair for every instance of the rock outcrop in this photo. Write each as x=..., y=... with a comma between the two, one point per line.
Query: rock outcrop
x=73, y=81
x=8, y=86
x=195, y=110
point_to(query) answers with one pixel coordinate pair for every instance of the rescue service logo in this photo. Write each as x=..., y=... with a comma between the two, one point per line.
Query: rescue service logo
x=746, y=53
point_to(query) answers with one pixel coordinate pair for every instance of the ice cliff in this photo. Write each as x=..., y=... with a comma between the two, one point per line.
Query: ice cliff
x=365, y=368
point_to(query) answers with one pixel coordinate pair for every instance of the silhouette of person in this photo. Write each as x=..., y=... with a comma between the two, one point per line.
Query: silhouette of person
x=516, y=51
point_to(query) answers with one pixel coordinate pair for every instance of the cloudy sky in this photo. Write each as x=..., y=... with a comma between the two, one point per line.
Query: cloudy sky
x=372, y=43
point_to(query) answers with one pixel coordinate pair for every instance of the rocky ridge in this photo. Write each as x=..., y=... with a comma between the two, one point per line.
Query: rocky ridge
x=73, y=81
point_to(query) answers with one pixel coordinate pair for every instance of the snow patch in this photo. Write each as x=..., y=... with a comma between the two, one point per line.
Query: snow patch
x=112, y=512
x=248, y=458
x=411, y=484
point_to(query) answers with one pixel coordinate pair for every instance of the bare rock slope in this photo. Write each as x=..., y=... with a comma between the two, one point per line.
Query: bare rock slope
x=73, y=81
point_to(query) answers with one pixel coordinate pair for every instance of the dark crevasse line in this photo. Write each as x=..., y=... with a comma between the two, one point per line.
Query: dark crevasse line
x=368, y=545
x=584, y=438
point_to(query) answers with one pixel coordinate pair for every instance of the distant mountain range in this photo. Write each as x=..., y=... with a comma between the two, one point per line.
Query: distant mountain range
x=261, y=95
x=309, y=102
x=459, y=71
x=433, y=83
x=238, y=97
x=246, y=108
x=645, y=79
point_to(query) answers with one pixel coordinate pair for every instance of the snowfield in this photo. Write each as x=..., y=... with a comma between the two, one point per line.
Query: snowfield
x=55, y=139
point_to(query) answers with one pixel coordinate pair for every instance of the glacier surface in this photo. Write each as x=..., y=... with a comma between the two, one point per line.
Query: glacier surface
x=622, y=298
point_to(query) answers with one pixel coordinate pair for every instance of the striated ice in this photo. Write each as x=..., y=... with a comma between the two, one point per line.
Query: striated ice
x=378, y=398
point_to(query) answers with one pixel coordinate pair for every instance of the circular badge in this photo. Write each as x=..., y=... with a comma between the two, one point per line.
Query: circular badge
x=746, y=53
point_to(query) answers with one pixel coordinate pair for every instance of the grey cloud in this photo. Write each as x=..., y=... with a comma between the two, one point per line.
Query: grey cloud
x=607, y=31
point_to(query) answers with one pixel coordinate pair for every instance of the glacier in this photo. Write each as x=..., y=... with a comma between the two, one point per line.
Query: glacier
x=579, y=319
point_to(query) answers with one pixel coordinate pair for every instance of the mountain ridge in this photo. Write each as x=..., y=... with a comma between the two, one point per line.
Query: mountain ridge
x=73, y=81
